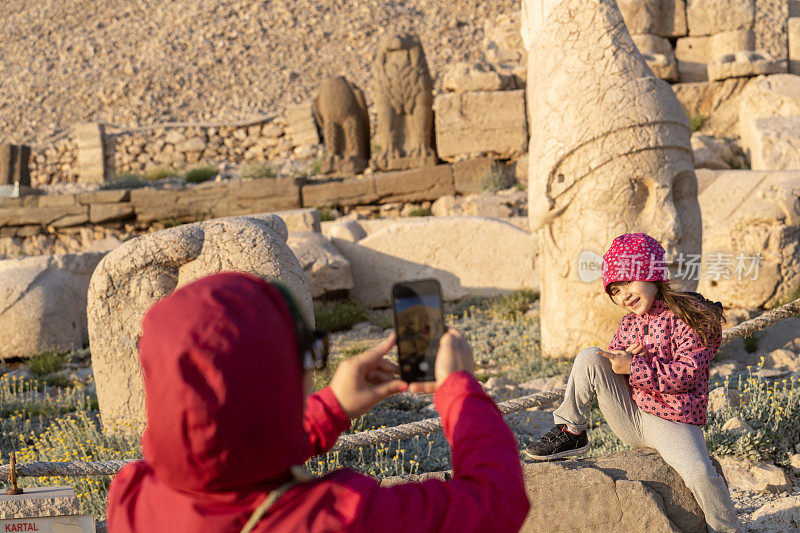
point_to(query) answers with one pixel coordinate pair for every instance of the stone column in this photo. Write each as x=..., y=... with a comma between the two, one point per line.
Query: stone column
x=609, y=154
x=89, y=139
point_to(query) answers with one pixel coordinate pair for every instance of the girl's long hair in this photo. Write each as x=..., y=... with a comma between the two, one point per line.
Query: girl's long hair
x=705, y=319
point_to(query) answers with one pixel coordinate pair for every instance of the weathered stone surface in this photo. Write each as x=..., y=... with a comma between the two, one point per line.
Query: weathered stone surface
x=306, y=219
x=759, y=477
x=711, y=153
x=103, y=197
x=468, y=255
x=768, y=96
x=341, y=193
x=144, y=270
x=107, y=212
x=782, y=359
x=14, y=160
x=301, y=126
x=466, y=77
x=587, y=161
x=770, y=27
x=743, y=64
x=775, y=144
x=44, y=303
x=503, y=204
x=43, y=216
x=730, y=42
x=426, y=183
x=39, y=501
x=778, y=516
x=346, y=230
x=659, y=55
x=469, y=174
x=574, y=495
x=737, y=425
x=91, y=152
x=53, y=524
x=666, y=18
x=716, y=102
x=326, y=270
x=693, y=54
x=502, y=42
x=341, y=111
x=721, y=399
x=706, y=17
x=477, y=123
x=748, y=215
x=794, y=45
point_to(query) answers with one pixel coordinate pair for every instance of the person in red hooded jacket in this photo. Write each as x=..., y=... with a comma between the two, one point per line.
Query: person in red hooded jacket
x=231, y=417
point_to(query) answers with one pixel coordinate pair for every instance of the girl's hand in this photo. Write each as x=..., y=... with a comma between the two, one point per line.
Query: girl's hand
x=635, y=349
x=620, y=360
x=362, y=381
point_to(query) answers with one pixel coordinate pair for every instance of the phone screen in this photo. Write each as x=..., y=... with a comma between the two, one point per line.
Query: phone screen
x=419, y=321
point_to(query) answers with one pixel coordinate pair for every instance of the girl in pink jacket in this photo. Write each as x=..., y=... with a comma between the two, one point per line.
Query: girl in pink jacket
x=652, y=382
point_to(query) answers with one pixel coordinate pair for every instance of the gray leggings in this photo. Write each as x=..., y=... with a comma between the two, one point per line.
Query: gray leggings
x=682, y=446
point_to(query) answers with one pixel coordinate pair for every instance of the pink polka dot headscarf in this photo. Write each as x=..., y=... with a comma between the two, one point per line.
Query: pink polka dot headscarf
x=634, y=257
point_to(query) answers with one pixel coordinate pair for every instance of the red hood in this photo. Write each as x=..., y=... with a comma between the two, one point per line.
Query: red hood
x=223, y=384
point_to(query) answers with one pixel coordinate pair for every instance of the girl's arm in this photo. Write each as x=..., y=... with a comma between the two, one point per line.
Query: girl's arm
x=690, y=363
x=324, y=420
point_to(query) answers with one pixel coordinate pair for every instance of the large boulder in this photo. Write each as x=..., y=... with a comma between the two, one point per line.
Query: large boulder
x=144, y=270
x=751, y=236
x=43, y=301
x=468, y=255
x=775, y=144
x=327, y=271
x=631, y=491
x=769, y=96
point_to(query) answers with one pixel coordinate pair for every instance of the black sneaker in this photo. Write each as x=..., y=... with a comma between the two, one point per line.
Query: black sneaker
x=557, y=443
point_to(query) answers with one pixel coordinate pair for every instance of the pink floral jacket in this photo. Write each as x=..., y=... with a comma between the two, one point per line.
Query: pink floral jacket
x=670, y=380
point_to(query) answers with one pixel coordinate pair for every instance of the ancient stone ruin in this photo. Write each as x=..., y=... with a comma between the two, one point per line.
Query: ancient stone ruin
x=609, y=154
x=403, y=102
x=341, y=112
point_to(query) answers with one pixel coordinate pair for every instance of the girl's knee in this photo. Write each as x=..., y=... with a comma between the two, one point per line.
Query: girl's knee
x=588, y=357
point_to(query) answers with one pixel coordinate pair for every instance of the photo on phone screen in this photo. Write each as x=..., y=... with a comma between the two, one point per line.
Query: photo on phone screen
x=419, y=322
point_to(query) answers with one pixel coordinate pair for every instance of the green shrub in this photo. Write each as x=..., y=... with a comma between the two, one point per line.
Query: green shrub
x=419, y=212
x=315, y=167
x=497, y=180
x=696, y=122
x=201, y=174
x=498, y=307
x=521, y=186
x=751, y=343
x=338, y=316
x=125, y=181
x=160, y=173
x=326, y=214
x=258, y=171
x=46, y=363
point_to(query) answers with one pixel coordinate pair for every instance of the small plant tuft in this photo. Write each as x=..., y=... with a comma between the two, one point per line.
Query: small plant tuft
x=339, y=316
x=160, y=173
x=201, y=174
x=46, y=363
x=258, y=171
x=696, y=122
x=497, y=180
x=751, y=343
x=125, y=181
x=326, y=214
x=419, y=212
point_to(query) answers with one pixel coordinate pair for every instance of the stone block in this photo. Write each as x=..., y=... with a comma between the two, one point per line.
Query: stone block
x=743, y=64
x=89, y=140
x=692, y=54
x=301, y=126
x=775, y=95
x=14, y=160
x=57, y=200
x=99, y=213
x=417, y=185
x=184, y=205
x=776, y=143
x=666, y=18
x=42, y=216
x=44, y=302
x=468, y=255
x=486, y=122
x=707, y=17
x=468, y=77
x=340, y=192
x=52, y=524
x=326, y=270
x=717, y=101
x=729, y=42
x=742, y=474
x=306, y=219
x=103, y=197
x=648, y=43
x=469, y=175
x=254, y=196
x=771, y=29
x=39, y=501
x=794, y=45
x=663, y=66
x=142, y=271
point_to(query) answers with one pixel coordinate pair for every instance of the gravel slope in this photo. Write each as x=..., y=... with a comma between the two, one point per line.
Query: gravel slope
x=137, y=62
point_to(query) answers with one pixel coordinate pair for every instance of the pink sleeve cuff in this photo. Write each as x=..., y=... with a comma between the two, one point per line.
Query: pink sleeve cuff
x=326, y=415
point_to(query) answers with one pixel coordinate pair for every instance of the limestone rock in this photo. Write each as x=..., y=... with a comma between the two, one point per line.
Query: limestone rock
x=662, y=65
x=751, y=254
x=502, y=42
x=44, y=303
x=468, y=255
x=782, y=359
x=347, y=230
x=778, y=516
x=587, y=159
x=708, y=153
x=477, y=123
x=706, y=17
x=666, y=18
x=467, y=77
x=794, y=45
x=742, y=474
x=146, y=269
x=716, y=102
x=737, y=424
x=742, y=64
x=325, y=269
x=341, y=112
x=40, y=501
x=775, y=143
x=501, y=205
x=721, y=398
x=306, y=219
x=693, y=54
x=768, y=96
x=730, y=42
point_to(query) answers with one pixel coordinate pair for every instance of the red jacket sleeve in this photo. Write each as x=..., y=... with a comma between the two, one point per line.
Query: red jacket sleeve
x=324, y=421
x=487, y=492
x=689, y=363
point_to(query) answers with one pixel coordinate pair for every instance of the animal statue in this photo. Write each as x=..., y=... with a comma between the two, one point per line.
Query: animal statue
x=341, y=112
x=404, y=104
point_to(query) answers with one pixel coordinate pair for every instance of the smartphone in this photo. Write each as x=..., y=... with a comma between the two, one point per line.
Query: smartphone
x=419, y=323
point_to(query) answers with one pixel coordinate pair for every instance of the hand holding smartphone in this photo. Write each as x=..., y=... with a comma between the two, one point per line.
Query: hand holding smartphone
x=419, y=322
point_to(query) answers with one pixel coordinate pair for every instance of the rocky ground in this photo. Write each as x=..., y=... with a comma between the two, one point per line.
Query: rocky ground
x=135, y=62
